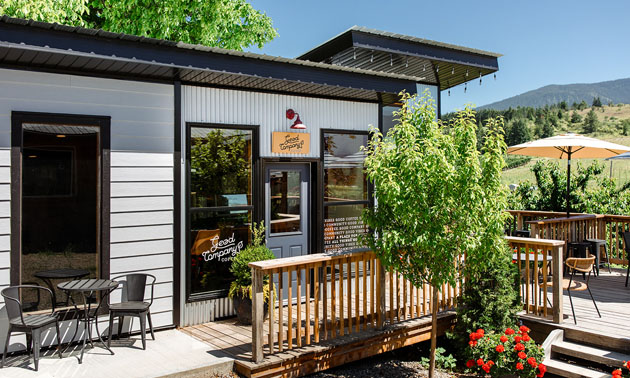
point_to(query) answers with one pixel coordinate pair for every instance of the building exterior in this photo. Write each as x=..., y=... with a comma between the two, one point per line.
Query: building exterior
x=125, y=154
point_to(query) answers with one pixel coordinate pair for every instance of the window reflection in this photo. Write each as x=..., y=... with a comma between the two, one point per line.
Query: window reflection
x=285, y=201
x=344, y=178
x=220, y=203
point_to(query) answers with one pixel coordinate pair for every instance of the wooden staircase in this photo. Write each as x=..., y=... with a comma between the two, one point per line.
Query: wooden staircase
x=579, y=354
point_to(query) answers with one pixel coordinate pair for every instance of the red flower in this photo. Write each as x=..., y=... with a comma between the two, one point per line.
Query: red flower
x=472, y=343
x=486, y=368
x=480, y=332
x=480, y=362
x=523, y=329
x=522, y=355
x=491, y=363
x=500, y=348
x=519, y=366
x=519, y=347
x=509, y=331
x=542, y=369
x=476, y=336
x=504, y=339
x=532, y=362
x=627, y=365
x=517, y=339
x=616, y=373
x=526, y=337
x=470, y=363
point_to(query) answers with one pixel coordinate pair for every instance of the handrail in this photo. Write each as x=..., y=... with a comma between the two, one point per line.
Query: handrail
x=565, y=219
x=324, y=296
x=539, y=242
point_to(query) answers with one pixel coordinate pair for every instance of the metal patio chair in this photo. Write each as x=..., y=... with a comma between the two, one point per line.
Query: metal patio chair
x=579, y=265
x=132, y=304
x=32, y=325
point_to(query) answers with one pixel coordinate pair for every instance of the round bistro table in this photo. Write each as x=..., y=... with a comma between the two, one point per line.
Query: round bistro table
x=87, y=288
x=60, y=274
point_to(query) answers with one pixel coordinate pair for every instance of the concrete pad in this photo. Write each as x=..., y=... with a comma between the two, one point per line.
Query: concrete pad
x=172, y=353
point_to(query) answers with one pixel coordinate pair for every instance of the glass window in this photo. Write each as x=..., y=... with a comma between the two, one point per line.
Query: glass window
x=345, y=190
x=344, y=179
x=285, y=189
x=221, y=207
x=388, y=118
x=59, y=208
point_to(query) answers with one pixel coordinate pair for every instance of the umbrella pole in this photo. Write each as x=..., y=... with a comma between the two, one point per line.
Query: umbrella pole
x=568, y=183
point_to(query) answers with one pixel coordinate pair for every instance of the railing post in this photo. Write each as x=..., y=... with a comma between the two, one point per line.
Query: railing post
x=558, y=314
x=381, y=294
x=258, y=315
x=519, y=221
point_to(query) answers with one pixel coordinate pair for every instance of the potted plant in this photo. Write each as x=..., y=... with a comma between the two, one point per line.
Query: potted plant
x=241, y=287
x=511, y=353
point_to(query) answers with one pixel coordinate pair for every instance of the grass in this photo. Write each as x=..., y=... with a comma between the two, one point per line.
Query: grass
x=620, y=168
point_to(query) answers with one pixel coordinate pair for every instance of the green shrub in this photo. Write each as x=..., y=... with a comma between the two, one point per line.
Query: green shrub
x=255, y=251
x=442, y=361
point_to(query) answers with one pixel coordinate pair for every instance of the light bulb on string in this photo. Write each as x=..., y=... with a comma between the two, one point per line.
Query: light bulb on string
x=465, y=87
x=466, y=72
x=495, y=76
x=453, y=71
x=479, y=78
x=437, y=69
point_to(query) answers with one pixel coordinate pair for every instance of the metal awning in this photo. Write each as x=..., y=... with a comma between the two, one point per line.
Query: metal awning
x=26, y=44
x=429, y=62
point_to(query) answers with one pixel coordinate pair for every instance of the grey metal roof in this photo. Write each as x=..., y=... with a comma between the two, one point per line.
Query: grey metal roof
x=428, y=61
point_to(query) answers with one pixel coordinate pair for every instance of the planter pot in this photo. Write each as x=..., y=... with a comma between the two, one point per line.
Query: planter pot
x=243, y=308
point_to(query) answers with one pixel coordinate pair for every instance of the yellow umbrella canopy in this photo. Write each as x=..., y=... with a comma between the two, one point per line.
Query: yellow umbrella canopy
x=568, y=146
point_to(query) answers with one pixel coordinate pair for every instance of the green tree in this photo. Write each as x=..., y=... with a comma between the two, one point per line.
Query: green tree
x=591, y=122
x=597, y=102
x=230, y=24
x=582, y=105
x=439, y=198
x=575, y=117
x=547, y=130
x=518, y=132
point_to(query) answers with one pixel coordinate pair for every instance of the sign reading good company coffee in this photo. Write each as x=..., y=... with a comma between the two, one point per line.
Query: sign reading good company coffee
x=290, y=143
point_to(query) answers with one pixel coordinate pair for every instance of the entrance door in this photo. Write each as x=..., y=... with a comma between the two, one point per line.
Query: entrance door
x=287, y=208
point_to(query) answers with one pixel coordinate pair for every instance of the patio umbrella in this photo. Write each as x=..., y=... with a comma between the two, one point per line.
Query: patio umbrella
x=569, y=146
x=618, y=157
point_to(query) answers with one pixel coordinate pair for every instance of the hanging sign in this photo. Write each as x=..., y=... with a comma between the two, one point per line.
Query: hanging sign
x=290, y=143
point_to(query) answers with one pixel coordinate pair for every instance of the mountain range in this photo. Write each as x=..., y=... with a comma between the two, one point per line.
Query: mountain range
x=615, y=91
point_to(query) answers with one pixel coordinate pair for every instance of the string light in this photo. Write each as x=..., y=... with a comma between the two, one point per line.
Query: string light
x=407, y=62
x=449, y=93
x=466, y=72
x=424, y=67
x=465, y=87
x=438, y=68
x=453, y=71
x=479, y=78
x=495, y=76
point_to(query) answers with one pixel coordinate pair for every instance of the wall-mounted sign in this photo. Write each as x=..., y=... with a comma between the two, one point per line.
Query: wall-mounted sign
x=290, y=143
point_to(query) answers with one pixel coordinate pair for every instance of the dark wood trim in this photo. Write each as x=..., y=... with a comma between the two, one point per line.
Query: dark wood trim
x=177, y=201
x=256, y=214
x=17, y=120
x=439, y=103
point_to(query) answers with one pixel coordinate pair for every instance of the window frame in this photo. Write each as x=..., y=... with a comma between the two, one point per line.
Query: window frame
x=254, y=207
x=370, y=187
x=18, y=118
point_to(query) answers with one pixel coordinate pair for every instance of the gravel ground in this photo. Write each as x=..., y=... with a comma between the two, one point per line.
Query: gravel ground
x=402, y=363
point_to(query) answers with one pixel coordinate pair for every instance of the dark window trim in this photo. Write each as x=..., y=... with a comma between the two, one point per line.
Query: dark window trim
x=17, y=119
x=323, y=204
x=177, y=201
x=255, y=207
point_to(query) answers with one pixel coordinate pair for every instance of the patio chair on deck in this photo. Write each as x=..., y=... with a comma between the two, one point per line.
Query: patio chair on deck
x=133, y=304
x=32, y=325
x=626, y=243
x=579, y=265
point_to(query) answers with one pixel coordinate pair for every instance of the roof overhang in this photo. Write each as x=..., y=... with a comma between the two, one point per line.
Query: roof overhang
x=428, y=61
x=57, y=48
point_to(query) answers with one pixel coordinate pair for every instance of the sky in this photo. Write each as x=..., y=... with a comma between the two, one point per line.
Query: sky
x=543, y=42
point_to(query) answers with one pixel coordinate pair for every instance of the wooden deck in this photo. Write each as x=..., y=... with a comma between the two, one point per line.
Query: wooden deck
x=235, y=340
x=613, y=301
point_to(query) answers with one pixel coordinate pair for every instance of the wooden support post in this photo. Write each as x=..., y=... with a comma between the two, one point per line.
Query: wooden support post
x=381, y=294
x=558, y=314
x=258, y=302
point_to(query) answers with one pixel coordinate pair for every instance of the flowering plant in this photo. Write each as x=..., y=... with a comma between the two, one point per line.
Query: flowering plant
x=507, y=353
x=618, y=373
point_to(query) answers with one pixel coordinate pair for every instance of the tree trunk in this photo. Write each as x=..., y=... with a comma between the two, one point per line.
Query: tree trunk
x=434, y=311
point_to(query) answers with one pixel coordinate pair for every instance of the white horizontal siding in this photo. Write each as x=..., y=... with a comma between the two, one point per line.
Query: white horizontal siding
x=141, y=174
x=211, y=105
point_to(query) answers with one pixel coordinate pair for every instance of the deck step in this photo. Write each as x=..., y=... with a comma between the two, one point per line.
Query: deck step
x=567, y=370
x=599, y=356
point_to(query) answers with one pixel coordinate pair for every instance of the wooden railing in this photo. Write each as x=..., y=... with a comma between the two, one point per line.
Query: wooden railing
x=539, y=262
x=322, y=297
x=555, y=225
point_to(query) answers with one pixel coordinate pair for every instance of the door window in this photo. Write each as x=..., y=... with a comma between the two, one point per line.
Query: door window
x=285, y=191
